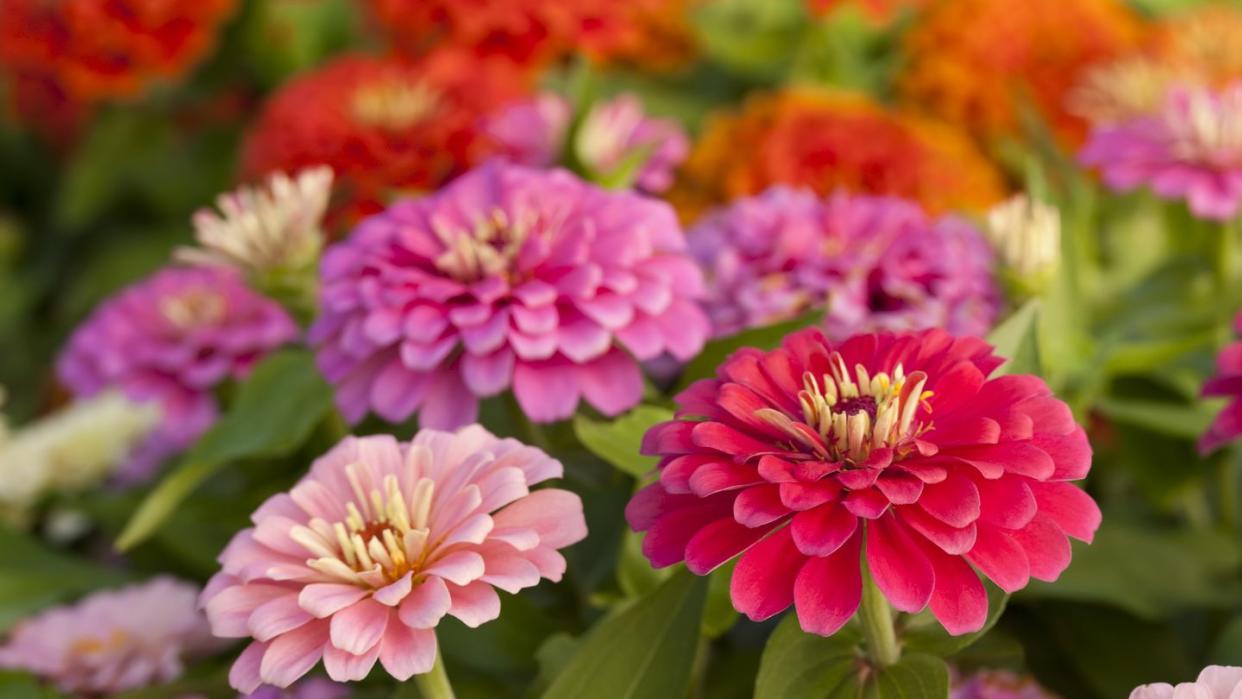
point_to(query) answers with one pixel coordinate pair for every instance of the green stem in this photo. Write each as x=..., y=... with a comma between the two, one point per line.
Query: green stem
x=434, y=684
x=1224, y=259
x=877, y=625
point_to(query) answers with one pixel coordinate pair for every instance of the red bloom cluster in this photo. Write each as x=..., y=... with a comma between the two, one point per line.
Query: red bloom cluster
x=61, y=56
x=793, y=457
x=382, y=124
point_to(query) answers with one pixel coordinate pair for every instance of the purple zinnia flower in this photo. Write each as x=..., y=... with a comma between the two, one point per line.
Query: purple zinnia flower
x=1227, y=383
x=872, y=262
x=617, y=141
x=311, y=688
x=507, y=277
x=171, y=339
x=1191, y=149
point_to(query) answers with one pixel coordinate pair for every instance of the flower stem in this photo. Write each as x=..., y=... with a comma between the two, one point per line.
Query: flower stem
x=877, y=625
x=434, y=684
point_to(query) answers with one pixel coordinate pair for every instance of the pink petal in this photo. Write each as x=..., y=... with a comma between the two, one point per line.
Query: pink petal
x=244, y=675
x=1000, y=558
x=822, y=530
x=763, y=581
x=458, y=567
x=828, y=590
x=954, y=501
x=556, y=515
x=760, y=505
x=347, y=667
x=487, y=375
x=718, y=542
x=391, y=595
x=474, y=604
x=952, y=540
x=229, y=610
x=899, y=568
x=426, y=604
x=1006, y=502
x=406, y=652
x=1046, y=548
x=277, y=616
x=959, y=600
x=292, y=655
x=1069, y=507
x=611, y=383
x=547, y=390
x=358, y=628
x=325, y=599
x=449, y=404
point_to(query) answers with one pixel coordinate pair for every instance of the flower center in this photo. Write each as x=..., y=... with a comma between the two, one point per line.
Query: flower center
x=194, y=308
x=383, y=536
x=91, y=645
x=853, y=415
x=1208, y=130
x=489, y=248
x=394, y=105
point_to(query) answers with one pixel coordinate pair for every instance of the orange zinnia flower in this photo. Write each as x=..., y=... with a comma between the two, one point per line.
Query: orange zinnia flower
x=974, y=62
x=653, y=35
x=382, y=124
x=828, y=141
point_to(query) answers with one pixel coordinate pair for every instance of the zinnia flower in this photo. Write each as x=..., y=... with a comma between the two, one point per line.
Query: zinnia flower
x=654, y=36
x=362, y=558
x=828, y=141
x=1027, y=235
x=872, y=262
x=996, y=684
x=1228, y=384
x=1191, y=150
x=383, y=125
x=976, y=62
x=113, y=641
x=617, y=142
x=172, y=338
x=791, y=458
x=1214, y=682
x=310, y=688
x=86, y=51
x=506, y=277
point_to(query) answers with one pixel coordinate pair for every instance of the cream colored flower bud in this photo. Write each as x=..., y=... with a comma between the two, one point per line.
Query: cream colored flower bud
x=1026, y=234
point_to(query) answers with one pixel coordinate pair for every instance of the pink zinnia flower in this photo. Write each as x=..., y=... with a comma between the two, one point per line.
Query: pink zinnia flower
x=614, y=137
x=1191, y=149
x=996, y=684
x=1227, y=383
x=172, y=338
x=113, y=641
x=507, y=277
x=1214, y=682
x=310, y=688
x=872, y=262
x=793, y=457
x=362, y=558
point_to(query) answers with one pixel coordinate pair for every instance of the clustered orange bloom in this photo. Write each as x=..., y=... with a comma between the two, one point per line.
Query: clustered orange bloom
x=973, y=62
x=531, y=33
x=384, y=125
x=653, y=35
x=60, y=56
x=1202, y=42
x=828, y=141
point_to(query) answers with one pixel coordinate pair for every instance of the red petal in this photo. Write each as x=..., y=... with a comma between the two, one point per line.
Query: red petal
x=726, y=439
x=955, y=501
x=712, y=478
x=951, y=540
x=760, y=505
x=718, y=542
x=1006, y=502
x=898, y=566
x=763, y=582
x=959, y=600
x=804, y=496
x=868, y=504
x=1000, y=558
x=671, y=437
x=1046, y=548
x=1072, y=509
x=1071, y=454
x=900, y=487
x=675, y=475
x=666, y=540
x=827, y=590
x=821, y=531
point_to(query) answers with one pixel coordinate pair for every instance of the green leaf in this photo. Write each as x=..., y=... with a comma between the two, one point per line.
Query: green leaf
x=275, y=411
x=1228, y=648
x=33, y=576
x=765, y=338
x=1149, y=572
x=618, y=442
x=796, y=664
x=1016, y=340
x=924, y=634
x=916, y=675
x=1176, y=420
x=21, y=685
x=646, y=650
x=718, y=614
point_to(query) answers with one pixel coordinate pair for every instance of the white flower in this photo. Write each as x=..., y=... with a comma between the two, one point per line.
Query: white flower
x=72, y=449
x=265, y=229
x=1027, y=235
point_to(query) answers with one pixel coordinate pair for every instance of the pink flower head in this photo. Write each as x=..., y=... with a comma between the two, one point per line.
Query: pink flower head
x=309, y=688
x=1214, y=682
x=1227, y=383
x=872, y=262
x=611, y=136
x=1191, y=149
x=112, y=641
x=362, y=558
x=507, y=277
x=172, y=338
x=996, y=684
x=792, y=458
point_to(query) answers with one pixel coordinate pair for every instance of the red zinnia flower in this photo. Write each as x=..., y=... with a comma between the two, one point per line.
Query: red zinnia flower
x=382, y=124
x=793, y=457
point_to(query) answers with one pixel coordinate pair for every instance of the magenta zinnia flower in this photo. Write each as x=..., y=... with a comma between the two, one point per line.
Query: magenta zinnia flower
x=532, y=131
x=113, y=641
x=872, y=262
x=1191, y=150
x=362, y=558
x=507, y=277
x=172, y=338
x=309, y=688
x=1214, y=682
x=996, y=684
x=1227, y=383
x=792, y=458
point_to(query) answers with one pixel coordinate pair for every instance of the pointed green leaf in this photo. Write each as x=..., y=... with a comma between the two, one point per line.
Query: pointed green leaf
x=797, y=665
x=1016, y=340
x=618, y=442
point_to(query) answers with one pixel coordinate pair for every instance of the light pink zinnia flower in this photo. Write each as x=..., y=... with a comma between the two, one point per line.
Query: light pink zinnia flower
x=113, y=641
x=309, y=688
x=872, y=262
x=1214, y=682
x=1227, y=383
x=615, y=134
x=996, y=684
x=361, y=559
x=791, y=458
x=507, y=277
x=1191, y=150
x=172, y=338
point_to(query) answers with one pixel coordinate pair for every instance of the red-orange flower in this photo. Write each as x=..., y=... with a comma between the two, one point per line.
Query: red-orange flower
x=827, y=141
x=531, y=32
x=382, y=124
x=61, y=55
x=652, y=35
x=973, y=62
